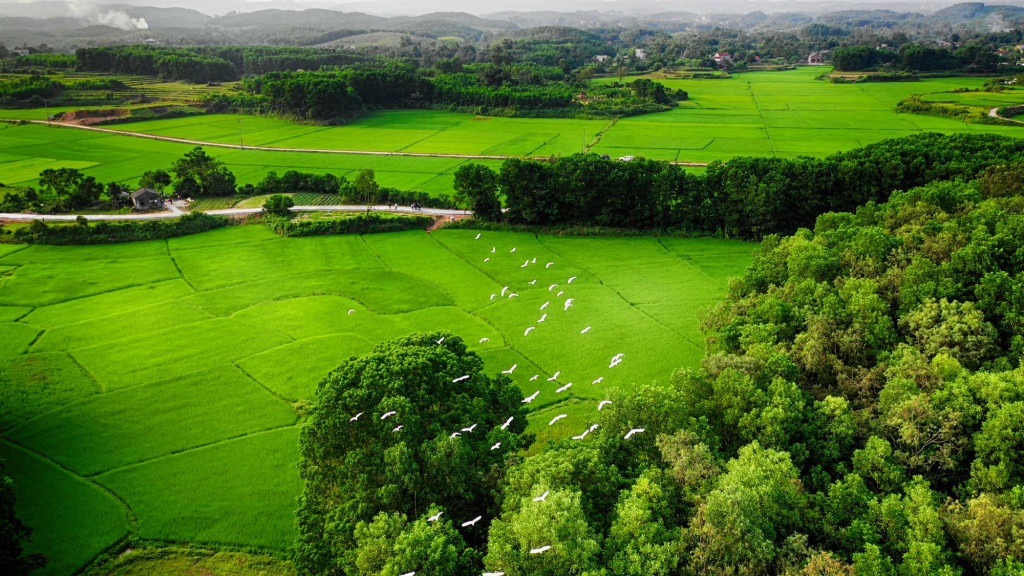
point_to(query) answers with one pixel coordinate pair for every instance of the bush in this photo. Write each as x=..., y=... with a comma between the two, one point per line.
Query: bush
x=279, y=205
x=363, y=223
x=38, y=232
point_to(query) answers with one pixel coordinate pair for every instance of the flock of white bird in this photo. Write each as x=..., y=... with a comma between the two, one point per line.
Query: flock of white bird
x=566, y=304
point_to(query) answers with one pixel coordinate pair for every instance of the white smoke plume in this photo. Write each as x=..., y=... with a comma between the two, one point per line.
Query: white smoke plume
x=113, y=18
x=121, y=19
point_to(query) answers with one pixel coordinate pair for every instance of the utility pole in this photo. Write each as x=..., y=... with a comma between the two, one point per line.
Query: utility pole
x=46, y=107
x=584, y=140
x=240, y=139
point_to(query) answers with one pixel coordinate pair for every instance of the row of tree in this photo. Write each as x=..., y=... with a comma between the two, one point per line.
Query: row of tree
x=745, y=197
x=916, y=58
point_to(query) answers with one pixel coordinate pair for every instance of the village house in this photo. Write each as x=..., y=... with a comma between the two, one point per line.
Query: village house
x=817, y=58
x=640, y=54
x=602, y=58
x=722, y=58
x=147, y=199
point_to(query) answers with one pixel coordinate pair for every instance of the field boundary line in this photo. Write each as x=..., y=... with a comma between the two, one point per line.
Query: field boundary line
x=133, y=519
x=600, y=134
x=187, y=450
x=267, y=388
x=20, y=249
x=102, y=388
x=619, y=295
x=167, y=247
x=690, y=264
x=31, y=309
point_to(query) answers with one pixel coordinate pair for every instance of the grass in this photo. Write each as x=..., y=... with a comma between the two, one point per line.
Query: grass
x=781, y=114
x=182, y=561
x=170, y=372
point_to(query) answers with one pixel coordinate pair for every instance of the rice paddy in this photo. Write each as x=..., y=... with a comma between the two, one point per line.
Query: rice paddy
x=156, y=388
x=782, y=114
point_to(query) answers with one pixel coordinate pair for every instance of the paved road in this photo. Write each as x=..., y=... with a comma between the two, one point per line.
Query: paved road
x=316, y=150
x=994, y=113
x=174, y=213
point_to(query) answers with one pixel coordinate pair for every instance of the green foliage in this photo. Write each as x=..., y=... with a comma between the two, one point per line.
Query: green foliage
x=111, y=232
x=198, y=174
x=278, y=205
x=357, y=469
x=361, y=223
x=476, y=187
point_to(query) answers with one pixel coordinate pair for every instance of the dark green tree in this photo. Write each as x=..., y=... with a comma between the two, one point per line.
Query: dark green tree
x=476, y=186
x=198, y=174
x=278, y=205
x=357, y=464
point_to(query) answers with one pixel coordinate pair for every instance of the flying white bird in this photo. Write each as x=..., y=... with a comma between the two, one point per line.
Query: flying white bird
x=397, y=428
x=525, y=264
x=435, y=517
x=532, y=282
x=503, y=290
x=564, y=388
x=534, y=261
x=615, y=362
x=531, y=397
x=507, y=422
x=560, y=292
x=350, y=311
x=548, y=265
x=496, y=446
x=513, y=295
x=510, y=370
x=535, y=376
x=633, y=431
x=460, y=378
x=540, y=550
x=618, y=356
x=493, y=296
x=552, y=287
x=585, y=330
x=356, y=417
x=571, y=279
x=484, y=339
x=545, y=305
x=593, y=427
x=557, y=418
x=543, y=497
x=413, y=573
x=454, y=434
x=470, y=429
x=543, y=318
x=439, y=340
x=472, y=522
x=555, y=377
x=528, y=330
x=493, y=248
x=494, y=574
x=581, y=436
x=598, y=381
x=477, y=237
x=568, y=302
x=603, y=403
x=512, y=250
x=386, y=414
x=487, y=259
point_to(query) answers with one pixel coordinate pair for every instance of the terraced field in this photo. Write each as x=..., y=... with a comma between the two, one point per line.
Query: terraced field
x=147, y=385
x=781, y=114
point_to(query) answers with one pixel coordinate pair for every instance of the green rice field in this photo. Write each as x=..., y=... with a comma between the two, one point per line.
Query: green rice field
x=782, y=114
x=156, y=388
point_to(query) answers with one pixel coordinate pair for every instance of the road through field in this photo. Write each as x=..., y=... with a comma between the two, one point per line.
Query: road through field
x=313, y=150
x=174, y=213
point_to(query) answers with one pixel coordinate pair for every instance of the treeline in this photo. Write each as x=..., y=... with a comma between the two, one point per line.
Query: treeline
x=741, y=198
x=916, y=58
x=332, y=94
x=206, y=63
x=33, y=89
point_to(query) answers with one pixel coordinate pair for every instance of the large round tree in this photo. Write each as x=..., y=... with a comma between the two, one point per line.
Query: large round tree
x=381, y=439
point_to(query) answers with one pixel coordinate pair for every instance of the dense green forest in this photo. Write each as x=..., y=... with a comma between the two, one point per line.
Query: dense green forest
x=858, y=412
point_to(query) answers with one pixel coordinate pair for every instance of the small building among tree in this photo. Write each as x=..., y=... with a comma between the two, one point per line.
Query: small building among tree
x=147, y=199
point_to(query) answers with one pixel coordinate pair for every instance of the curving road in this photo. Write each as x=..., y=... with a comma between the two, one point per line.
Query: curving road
x=174, y=213
x=315, y=150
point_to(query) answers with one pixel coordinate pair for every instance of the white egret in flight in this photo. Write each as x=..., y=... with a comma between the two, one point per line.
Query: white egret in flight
x=531, y=397
x=632, y=432
x=356, y=417
x=386, y=414
x=557, y=418
x=540, y=550
x=603, y=403
x=507, y=422
x=472, y=522
x=543, y=497
x=564, y=388
x=510, y=370
x=555, y=377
